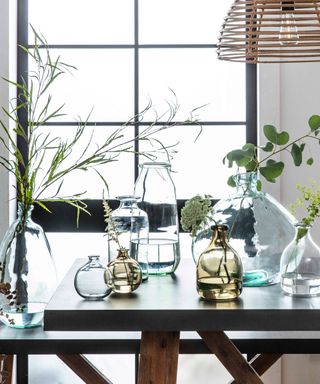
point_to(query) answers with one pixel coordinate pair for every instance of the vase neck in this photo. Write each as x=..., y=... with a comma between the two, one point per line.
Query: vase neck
x=24, y=212
x=128, y=201
x=302, y=231
x=246, y=182
x=219, y=235
x=123, y=253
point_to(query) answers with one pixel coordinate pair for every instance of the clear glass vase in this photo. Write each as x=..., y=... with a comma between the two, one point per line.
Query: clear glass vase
x=219, y=268
x=124, y=274
x=157, y=197
x=89, y=280
x=27, y=272
x=132, y=226
x=300, y=265
x=259, y=230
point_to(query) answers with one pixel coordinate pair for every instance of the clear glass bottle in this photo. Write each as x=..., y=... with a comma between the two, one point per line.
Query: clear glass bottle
x=122, y=218
x=124, y=274
x=219, y=268
x=139, y=235
x=300, y=265
x=27, y=272
x=259, y=230
x=157, y=197
x=133, y=227
x=89, y=280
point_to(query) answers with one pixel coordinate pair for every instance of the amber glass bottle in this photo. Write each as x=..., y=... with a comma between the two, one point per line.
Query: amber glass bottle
x=219, y=268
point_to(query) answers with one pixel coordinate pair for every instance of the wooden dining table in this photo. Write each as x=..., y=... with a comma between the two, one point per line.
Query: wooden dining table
x=163, y=307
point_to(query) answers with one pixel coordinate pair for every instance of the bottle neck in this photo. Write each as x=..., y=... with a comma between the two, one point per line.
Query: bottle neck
x=128, y=202
x=302, y=231
x=246, y=183
x=161, y=169
x=24, y=212
x=219, y=236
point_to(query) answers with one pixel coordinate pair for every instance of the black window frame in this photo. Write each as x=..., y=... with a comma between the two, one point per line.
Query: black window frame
x=63, y=217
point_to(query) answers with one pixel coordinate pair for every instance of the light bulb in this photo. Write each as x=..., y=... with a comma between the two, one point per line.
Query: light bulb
x=288, y=31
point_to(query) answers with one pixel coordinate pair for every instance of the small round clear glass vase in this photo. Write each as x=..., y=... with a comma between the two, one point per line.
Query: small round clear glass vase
x=300, y=265
x=132, y=226
x=157, y=197
x=89, y=280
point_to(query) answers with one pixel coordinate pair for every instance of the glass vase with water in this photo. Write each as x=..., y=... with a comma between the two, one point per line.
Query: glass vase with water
x=157, y=197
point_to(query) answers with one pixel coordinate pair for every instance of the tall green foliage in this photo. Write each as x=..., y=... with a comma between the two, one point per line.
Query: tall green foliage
x=33, y=173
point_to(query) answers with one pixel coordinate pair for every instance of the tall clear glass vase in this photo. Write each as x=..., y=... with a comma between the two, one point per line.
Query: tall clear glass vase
x=157, y=197
x=27, y=272
x=259, y=230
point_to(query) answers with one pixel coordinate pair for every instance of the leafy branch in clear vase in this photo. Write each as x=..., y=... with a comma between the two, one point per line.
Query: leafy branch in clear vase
x=276, y=142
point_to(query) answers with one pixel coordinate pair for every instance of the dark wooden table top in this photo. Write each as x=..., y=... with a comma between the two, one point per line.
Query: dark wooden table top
x=168, y=303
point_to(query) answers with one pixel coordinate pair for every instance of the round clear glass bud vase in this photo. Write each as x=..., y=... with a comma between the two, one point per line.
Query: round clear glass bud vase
x=157, y=197
x=132, y=226
x=300, y=265
x=89, y=281
x=259, y=230
x=27, y=272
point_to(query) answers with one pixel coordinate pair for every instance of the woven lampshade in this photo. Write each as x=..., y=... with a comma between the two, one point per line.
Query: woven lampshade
x=263, y=31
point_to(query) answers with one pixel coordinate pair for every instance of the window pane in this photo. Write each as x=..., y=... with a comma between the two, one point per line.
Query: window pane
x=181, y=21
x=82, y=21
x=119, y=174
x=197, y=167
x=103, y=83
x=197, y=78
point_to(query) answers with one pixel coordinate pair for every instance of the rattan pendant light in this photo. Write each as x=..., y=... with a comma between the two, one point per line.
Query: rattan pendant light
x=264, y=31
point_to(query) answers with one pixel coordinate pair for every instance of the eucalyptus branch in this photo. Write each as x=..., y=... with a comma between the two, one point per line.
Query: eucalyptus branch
x=271, y=169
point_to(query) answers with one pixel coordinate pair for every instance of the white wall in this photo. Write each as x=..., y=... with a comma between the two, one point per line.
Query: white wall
x=288, y=96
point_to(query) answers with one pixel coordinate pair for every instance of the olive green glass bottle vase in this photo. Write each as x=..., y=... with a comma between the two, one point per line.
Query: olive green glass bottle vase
x=219, y=268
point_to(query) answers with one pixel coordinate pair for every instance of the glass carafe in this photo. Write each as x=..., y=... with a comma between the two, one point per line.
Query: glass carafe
x=259, y=230
x=219, y=268
x=300, y=265
x=157, y=197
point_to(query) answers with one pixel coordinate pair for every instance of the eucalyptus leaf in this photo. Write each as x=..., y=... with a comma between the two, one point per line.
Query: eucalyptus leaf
x=310, y=161
x=296, y=154
x=272, y=170
x=231, y=182
x=278, y=138
x=314, y=122
x=240, y=157
x=268, y=147
x=259, y=185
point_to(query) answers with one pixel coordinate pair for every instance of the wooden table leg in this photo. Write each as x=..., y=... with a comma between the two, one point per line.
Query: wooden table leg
x=219, y=344
x=6, y=368
x=159, y=352
x=261, y=363
x=84, y=369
